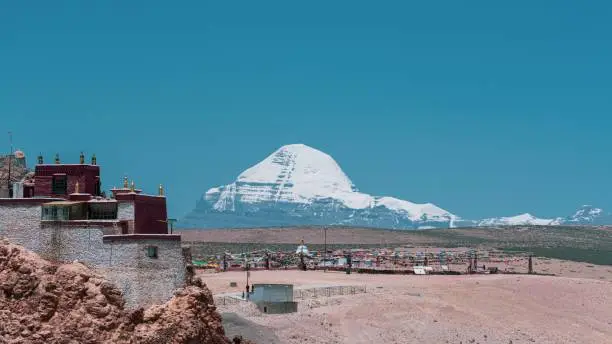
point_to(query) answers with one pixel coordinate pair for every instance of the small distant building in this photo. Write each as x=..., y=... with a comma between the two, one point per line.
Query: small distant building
x=274, y=298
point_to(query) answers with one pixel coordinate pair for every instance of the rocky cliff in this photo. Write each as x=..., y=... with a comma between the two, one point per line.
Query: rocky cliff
x=42, y=302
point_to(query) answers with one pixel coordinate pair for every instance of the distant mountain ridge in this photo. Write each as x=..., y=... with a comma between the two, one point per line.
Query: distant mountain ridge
x=585, y=215
x=298, y=185
x=522, y=219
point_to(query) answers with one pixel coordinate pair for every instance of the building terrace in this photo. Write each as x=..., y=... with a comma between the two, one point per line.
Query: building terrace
x=60, y=212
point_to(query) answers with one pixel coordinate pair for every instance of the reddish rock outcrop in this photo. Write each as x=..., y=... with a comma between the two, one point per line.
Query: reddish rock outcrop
x=42, y=302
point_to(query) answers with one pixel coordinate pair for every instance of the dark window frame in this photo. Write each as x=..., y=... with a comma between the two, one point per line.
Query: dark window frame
x=59, y=185
x=101, y=213
x=152, y=252
x=51, y=213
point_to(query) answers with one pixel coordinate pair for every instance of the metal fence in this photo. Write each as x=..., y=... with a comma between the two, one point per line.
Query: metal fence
x=227, y=300
x=302, y=294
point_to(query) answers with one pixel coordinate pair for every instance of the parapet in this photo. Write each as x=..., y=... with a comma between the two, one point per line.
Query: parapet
x=169, y=237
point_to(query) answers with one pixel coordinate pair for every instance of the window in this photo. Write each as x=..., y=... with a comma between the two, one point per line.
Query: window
x=59, y=185
x=103, y=211
x=152, y=251
x=55, y=213
x=46, y=213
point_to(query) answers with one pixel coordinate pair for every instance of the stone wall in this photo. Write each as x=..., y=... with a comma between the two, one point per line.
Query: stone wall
x=123, y=260
x=125, y=211
x=67, y=243
x=144, y=280
x=20, y=223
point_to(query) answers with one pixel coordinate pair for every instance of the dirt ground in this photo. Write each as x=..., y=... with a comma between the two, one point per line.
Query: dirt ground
x=439, y=309
x=236, y=325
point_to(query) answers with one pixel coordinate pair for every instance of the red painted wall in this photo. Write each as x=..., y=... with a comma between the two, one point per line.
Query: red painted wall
x=86, y=175
x=149, y=211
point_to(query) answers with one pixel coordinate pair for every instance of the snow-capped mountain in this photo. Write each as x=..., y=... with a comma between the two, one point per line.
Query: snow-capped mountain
x=589, y=215
x=522, y=219
x=584, y=216
x=300, y=185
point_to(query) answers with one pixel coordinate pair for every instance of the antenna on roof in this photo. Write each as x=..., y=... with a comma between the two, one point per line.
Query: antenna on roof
x=8, y=181
x=10, y=134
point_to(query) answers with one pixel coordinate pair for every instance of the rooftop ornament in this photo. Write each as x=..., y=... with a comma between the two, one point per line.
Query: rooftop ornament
x=125, y=182
x=40, y=159
x=82, y=159
x=161, y=190
x=133, y=187
x=57, y=159
x=19, y=154
x=94, y=160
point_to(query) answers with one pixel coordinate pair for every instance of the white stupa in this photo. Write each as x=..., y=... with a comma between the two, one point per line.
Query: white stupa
x=302, y=249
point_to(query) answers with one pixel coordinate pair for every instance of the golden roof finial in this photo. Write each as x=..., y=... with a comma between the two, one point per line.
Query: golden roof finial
x=161, y=190
x=133, y=186
x=76, y=187
x=82, y=158
x=125, y=182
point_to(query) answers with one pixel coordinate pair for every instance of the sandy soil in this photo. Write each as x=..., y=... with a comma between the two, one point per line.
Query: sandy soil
x=437, y=309
x=557, y=267
x=568, y=268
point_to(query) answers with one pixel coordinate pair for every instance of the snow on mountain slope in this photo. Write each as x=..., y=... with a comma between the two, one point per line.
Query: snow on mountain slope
x=299, y=174
x=300, y=184
x=413, y=210
x=522, y=219
x=585, y=214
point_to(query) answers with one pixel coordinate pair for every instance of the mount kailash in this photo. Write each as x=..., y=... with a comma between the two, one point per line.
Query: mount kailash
x=298, y=185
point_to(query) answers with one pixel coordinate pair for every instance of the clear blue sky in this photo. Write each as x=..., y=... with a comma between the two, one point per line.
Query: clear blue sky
x=486, y=108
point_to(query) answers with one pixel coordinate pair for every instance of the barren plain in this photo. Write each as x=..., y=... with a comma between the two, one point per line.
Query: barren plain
x=571, y=307
x=435, y=309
